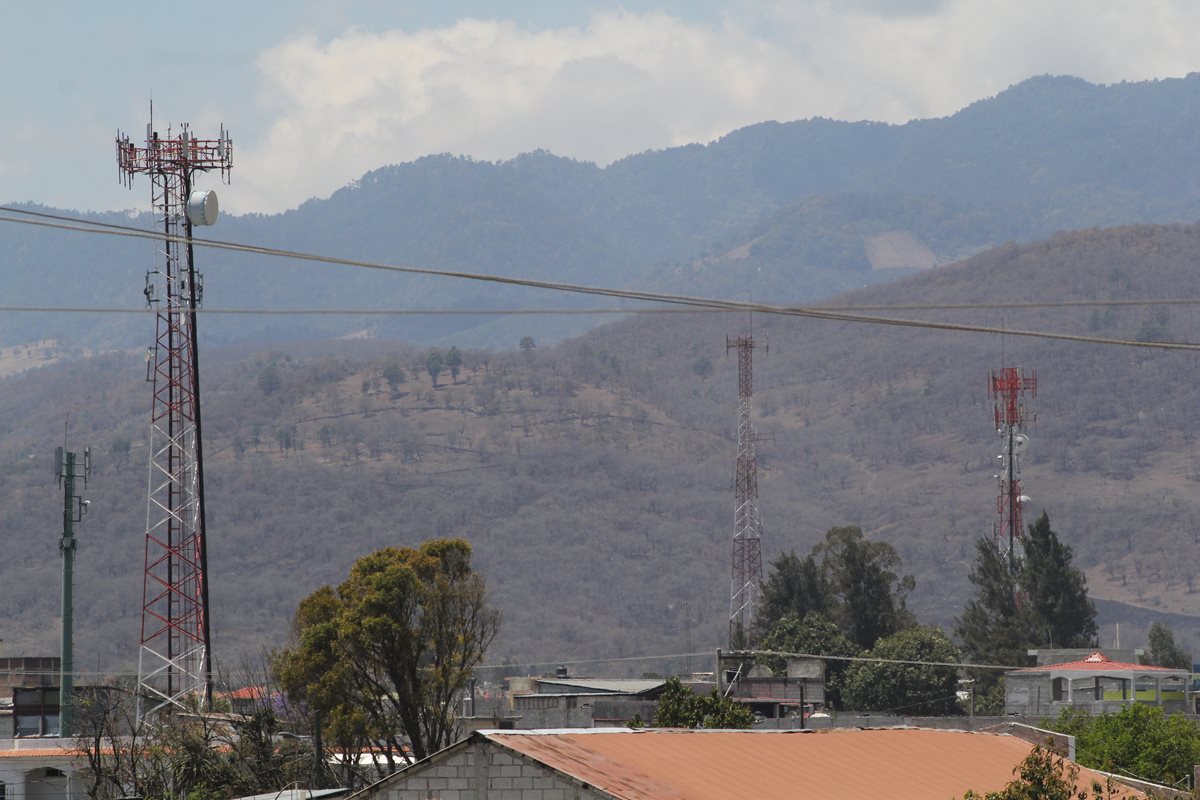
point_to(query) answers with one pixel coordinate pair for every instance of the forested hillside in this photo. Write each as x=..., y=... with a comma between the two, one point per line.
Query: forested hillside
x=594, y=478
x=795, y=211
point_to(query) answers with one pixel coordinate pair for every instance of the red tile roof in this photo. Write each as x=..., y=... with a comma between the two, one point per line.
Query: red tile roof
x=42, y=752
x=717, y=765
x=1098, y=662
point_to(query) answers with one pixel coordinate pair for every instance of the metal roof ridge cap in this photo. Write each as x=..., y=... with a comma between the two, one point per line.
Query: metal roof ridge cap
x=490, y=732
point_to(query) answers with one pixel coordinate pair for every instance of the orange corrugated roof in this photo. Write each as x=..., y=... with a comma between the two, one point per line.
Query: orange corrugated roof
x=43, y=752
x=717, y=765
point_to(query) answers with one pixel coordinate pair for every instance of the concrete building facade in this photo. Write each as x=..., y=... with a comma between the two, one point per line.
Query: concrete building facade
x=1096, y=684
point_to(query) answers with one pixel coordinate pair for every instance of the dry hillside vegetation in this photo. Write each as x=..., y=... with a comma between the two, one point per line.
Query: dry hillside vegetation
x=594, y=478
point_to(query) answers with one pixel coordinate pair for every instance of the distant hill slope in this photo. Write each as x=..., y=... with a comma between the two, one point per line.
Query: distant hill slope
x=804, y=199
x=594, y=477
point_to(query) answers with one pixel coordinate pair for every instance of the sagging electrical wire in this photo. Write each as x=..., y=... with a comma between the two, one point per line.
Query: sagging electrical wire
x=62, y=222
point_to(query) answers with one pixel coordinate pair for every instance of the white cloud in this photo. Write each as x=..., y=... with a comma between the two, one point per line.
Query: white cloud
x=627, y=82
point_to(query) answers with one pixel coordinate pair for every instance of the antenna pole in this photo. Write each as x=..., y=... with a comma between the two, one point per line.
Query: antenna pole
x=73, y=508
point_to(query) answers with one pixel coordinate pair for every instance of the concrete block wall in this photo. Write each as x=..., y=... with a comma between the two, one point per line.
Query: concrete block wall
x=481, y=772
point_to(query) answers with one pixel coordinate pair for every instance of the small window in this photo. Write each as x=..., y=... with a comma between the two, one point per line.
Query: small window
x=29, y=725
x=3, y=791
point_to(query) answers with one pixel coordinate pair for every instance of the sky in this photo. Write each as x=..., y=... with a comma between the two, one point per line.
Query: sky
x=318, y=92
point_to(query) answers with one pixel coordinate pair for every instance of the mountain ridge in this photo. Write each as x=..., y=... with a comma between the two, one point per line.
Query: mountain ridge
x=1047, y=154
x=593, y=477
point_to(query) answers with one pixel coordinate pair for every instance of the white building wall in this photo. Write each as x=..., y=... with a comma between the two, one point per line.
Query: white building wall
x=27, y=779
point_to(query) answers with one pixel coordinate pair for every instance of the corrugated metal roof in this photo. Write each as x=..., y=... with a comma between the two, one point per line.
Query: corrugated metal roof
x=615, y=685
x=1098, y=662
x=299, y=794
x=769, y=765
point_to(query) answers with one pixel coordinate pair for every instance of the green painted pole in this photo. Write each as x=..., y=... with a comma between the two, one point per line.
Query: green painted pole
x=66, y=548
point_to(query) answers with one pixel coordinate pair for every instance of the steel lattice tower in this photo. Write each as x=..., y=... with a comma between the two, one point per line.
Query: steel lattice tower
x=1008, y=386
x=175, y=656
x=746, y=583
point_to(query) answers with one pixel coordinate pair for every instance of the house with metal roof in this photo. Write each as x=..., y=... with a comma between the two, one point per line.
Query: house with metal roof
x=675, y=764
x=574, y=702
x=1096, y=684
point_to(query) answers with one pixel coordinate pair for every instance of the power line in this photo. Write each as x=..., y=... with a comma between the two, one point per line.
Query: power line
x=874, y=660
x=664, y=656
x=598, y=310
x=388, y=312
x=86, y=226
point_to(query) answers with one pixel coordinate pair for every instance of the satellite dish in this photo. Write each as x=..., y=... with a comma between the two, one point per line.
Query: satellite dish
x=1020, y=442
x=202, y=207
x=1023, y=499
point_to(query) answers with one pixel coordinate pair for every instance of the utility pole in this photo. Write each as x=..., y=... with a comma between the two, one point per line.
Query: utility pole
x=175, y=656
x=74, y=507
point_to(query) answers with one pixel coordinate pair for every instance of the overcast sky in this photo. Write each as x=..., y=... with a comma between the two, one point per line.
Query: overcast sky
x=318, y=92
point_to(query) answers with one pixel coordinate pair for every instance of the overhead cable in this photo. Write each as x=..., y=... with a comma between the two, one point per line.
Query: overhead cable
x=68, y=223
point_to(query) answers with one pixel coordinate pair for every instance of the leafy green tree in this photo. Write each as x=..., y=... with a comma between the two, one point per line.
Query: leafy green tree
x=390, y=652
x=394, y=374
x=1054, y=592
x=269, y=381
x=527, y=346
x=680, y=707
x=454, y=362
x=794, y=586
x=1163, y=650
x=868, y=593
x=992, y=629
x=434, y=365
x=1046, y=774
x=911, y=688
x=817, y=635
x=1037, y=600
x=1139, y=740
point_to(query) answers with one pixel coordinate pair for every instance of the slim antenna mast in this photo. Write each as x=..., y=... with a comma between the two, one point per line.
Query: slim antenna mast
x=66, y=471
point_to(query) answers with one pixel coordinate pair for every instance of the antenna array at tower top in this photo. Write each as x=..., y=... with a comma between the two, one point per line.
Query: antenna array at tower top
x=180, y=152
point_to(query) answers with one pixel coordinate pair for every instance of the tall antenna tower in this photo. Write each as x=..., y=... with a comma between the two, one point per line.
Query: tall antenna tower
x=746, y=583
x=1008, y=388
x=175, y=656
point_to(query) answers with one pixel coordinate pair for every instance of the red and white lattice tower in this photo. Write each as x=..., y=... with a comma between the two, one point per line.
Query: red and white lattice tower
x=175, y=657
x=746, y=584
x=1008, y=387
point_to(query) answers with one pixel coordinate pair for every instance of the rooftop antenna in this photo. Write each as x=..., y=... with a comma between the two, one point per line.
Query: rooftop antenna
x=175, y=655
